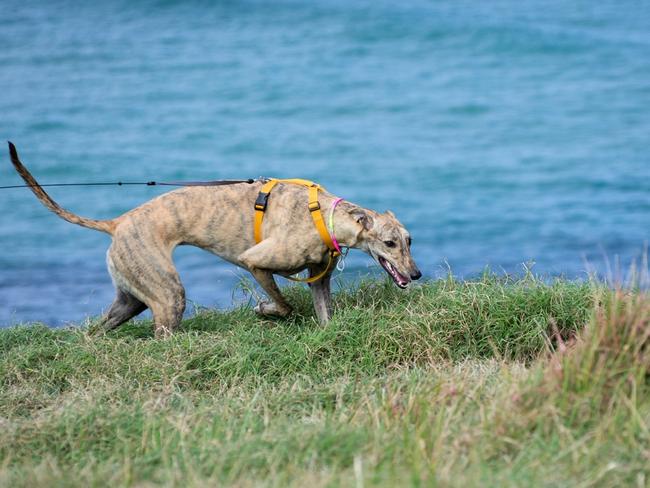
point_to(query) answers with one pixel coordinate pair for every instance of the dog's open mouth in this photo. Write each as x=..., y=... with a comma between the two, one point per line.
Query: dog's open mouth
x=399, y=279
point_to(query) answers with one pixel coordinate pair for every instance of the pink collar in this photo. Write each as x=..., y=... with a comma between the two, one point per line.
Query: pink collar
x=331, y=225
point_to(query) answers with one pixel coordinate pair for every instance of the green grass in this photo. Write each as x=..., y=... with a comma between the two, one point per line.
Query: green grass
x=493, y=382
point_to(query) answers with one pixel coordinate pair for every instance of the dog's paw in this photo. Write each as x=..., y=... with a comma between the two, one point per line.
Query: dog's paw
x=271, y=309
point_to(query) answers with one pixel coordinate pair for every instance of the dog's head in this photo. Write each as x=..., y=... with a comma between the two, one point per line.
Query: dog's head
x=388, y=242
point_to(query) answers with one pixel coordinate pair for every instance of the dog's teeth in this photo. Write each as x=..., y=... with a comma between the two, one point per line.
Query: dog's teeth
x=398, y=278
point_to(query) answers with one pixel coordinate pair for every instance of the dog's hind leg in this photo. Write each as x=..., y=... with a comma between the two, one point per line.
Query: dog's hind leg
x=149, y=275
x=167, y=315
x=125, y=307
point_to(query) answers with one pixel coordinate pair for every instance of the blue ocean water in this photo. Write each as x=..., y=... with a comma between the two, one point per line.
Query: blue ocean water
x=499, y=132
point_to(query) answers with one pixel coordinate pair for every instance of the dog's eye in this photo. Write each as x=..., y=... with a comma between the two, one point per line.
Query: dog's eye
x=408, y=241
x=389, y=243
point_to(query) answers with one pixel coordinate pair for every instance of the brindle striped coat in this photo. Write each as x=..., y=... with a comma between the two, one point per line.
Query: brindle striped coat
x=219, y=219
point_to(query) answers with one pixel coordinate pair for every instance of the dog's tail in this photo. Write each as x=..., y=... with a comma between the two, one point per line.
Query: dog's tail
x=107, y=226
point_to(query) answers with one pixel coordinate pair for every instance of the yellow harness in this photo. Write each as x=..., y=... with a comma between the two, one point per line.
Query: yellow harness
x=314, y=209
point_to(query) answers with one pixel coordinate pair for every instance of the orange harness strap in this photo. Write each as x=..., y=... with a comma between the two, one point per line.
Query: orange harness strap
x=260, y=207
x=317, y=217
x=314, y=209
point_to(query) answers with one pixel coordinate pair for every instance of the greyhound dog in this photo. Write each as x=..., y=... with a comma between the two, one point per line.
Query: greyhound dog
x=220, y=219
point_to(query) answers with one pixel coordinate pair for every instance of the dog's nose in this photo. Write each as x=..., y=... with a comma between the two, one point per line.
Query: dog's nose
x=417, y=275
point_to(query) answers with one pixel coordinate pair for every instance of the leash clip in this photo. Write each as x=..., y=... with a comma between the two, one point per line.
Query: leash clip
x=340, y=265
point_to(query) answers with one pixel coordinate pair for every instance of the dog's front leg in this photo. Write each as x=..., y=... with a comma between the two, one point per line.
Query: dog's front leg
x=259, y=260
x=321, y=295
x=279, y=306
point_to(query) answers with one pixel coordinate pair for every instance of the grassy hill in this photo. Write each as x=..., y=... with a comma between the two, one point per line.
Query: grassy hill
x=493, y=382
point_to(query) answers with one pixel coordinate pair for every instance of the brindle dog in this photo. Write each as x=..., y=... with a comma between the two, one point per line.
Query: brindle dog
x=219, y=219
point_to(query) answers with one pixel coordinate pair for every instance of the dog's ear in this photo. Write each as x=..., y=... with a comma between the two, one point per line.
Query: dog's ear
x=362, y=217
x=391, y=214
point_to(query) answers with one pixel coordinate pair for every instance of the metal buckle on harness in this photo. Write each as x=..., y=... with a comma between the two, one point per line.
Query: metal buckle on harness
x=262, y=201
x=313, y=206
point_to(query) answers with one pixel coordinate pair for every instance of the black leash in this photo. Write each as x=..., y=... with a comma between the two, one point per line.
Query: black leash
x=145, y=183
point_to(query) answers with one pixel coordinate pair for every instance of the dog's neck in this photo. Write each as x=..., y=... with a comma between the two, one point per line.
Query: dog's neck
x=348, y=232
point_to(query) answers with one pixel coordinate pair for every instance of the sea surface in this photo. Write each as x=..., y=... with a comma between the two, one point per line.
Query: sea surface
x=505, y=134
